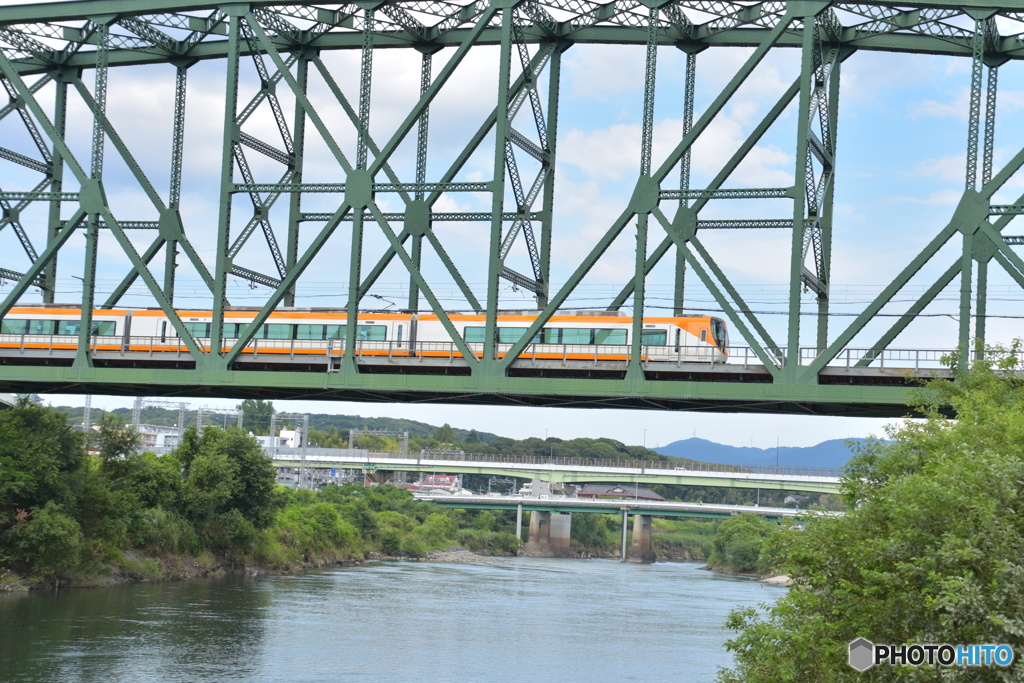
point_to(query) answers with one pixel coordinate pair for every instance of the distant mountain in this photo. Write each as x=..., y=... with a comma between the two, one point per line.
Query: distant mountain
x=832, y=453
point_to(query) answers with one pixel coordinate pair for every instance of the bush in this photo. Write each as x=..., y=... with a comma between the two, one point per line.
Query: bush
x=164, y=531
x=413, y=546
x=390, y=542
x=737, y=542
x=47, y=541
x=436, y=532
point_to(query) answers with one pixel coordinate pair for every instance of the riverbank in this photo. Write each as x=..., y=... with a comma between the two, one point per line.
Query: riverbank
x=781, y=580
x=136, y=568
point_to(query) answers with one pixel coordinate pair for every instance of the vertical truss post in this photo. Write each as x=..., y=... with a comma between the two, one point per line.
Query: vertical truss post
x=966, y=293
x=548, y=209
x=824, y=261
x=295, y=200
x=356, y=252
x=807, y=63
x=423, y=128
x=501, y=131
x=92, y=235
x=974, y=114
x=226, y=183
x=678, y=290
x=981, y=24
x=635, y=370
x=981, y=297
x=60, y=113
x=174, y=196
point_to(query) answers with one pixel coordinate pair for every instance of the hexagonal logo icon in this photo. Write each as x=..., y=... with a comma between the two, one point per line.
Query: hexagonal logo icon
x=862, y=654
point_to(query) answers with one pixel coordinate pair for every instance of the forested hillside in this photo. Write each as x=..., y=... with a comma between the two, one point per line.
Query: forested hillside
x=321, y=421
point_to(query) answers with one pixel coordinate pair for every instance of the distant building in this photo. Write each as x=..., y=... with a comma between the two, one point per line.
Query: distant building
x=595, y=491
x=159, y=437
x=438, y=484
x=272, y=442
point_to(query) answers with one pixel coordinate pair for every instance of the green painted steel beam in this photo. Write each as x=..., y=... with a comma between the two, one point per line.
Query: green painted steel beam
x=807, y=399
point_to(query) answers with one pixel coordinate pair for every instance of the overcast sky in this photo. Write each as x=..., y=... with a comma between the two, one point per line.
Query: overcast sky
x=900, y=168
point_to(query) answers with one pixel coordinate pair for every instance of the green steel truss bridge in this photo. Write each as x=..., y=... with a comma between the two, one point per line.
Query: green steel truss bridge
x=157, y=153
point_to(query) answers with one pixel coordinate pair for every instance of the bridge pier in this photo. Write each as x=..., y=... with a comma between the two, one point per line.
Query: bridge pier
x=642, y=548
x=549, y=535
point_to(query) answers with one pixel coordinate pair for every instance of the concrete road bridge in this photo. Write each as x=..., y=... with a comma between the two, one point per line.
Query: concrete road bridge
x=304, y=169
x=569, y=470
x=551, y=518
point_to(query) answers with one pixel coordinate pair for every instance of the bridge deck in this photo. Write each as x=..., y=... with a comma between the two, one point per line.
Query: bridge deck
x=739, y=385
x=572, y=470
x=613, y=506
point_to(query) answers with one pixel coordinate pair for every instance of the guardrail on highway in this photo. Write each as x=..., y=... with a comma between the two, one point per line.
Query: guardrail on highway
x=569, y=463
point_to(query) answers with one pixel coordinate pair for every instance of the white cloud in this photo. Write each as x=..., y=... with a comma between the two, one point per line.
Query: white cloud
x=943, y=197
x=951, y=168
x=958, y=107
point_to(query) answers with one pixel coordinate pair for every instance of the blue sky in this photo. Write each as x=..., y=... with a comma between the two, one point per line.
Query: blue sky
x=900, y=168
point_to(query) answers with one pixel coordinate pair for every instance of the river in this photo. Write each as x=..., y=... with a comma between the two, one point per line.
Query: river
x=513, y=619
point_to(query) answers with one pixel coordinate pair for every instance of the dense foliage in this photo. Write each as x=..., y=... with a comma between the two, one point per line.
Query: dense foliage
x=930, y=551
x=737, y=544
x=68, y=515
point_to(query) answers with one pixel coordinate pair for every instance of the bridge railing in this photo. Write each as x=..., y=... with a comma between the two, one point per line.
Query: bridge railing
x=645, y=466
x=653, y=356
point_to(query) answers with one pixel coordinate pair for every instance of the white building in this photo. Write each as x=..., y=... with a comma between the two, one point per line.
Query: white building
x=159, y=437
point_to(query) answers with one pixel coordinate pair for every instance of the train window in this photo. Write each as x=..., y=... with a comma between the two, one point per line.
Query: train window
x=654, y=337
x=335, y=331
x=68, y=328
x=718, y=332
x=510, y=335
x=198, y=330
x=14, y=327
x=506, y=335
x=703, y=335
x=679, y=337
x=576, y=336
x=310, y=331
x=611, y=337
x=277, y=331
x=41, y=326
x=372, y=333
x=399, y=340
x=104, y=328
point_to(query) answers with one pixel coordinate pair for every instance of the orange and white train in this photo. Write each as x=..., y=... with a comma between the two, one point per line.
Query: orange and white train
x=582, y=334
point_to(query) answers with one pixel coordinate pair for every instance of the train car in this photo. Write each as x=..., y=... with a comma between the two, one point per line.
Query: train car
x=578, y=335
x=58, y=327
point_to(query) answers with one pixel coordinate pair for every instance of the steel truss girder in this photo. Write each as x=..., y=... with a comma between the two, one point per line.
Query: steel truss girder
x=281, y=40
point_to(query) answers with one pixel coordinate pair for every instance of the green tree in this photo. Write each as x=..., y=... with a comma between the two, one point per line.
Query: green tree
x=929, y=550
x=588, y=529
x=114, y=440
x=227, y=470
x=737, y=542
x=444, y=434
x=256, y=415
x=45, y=540
x=41, y=460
